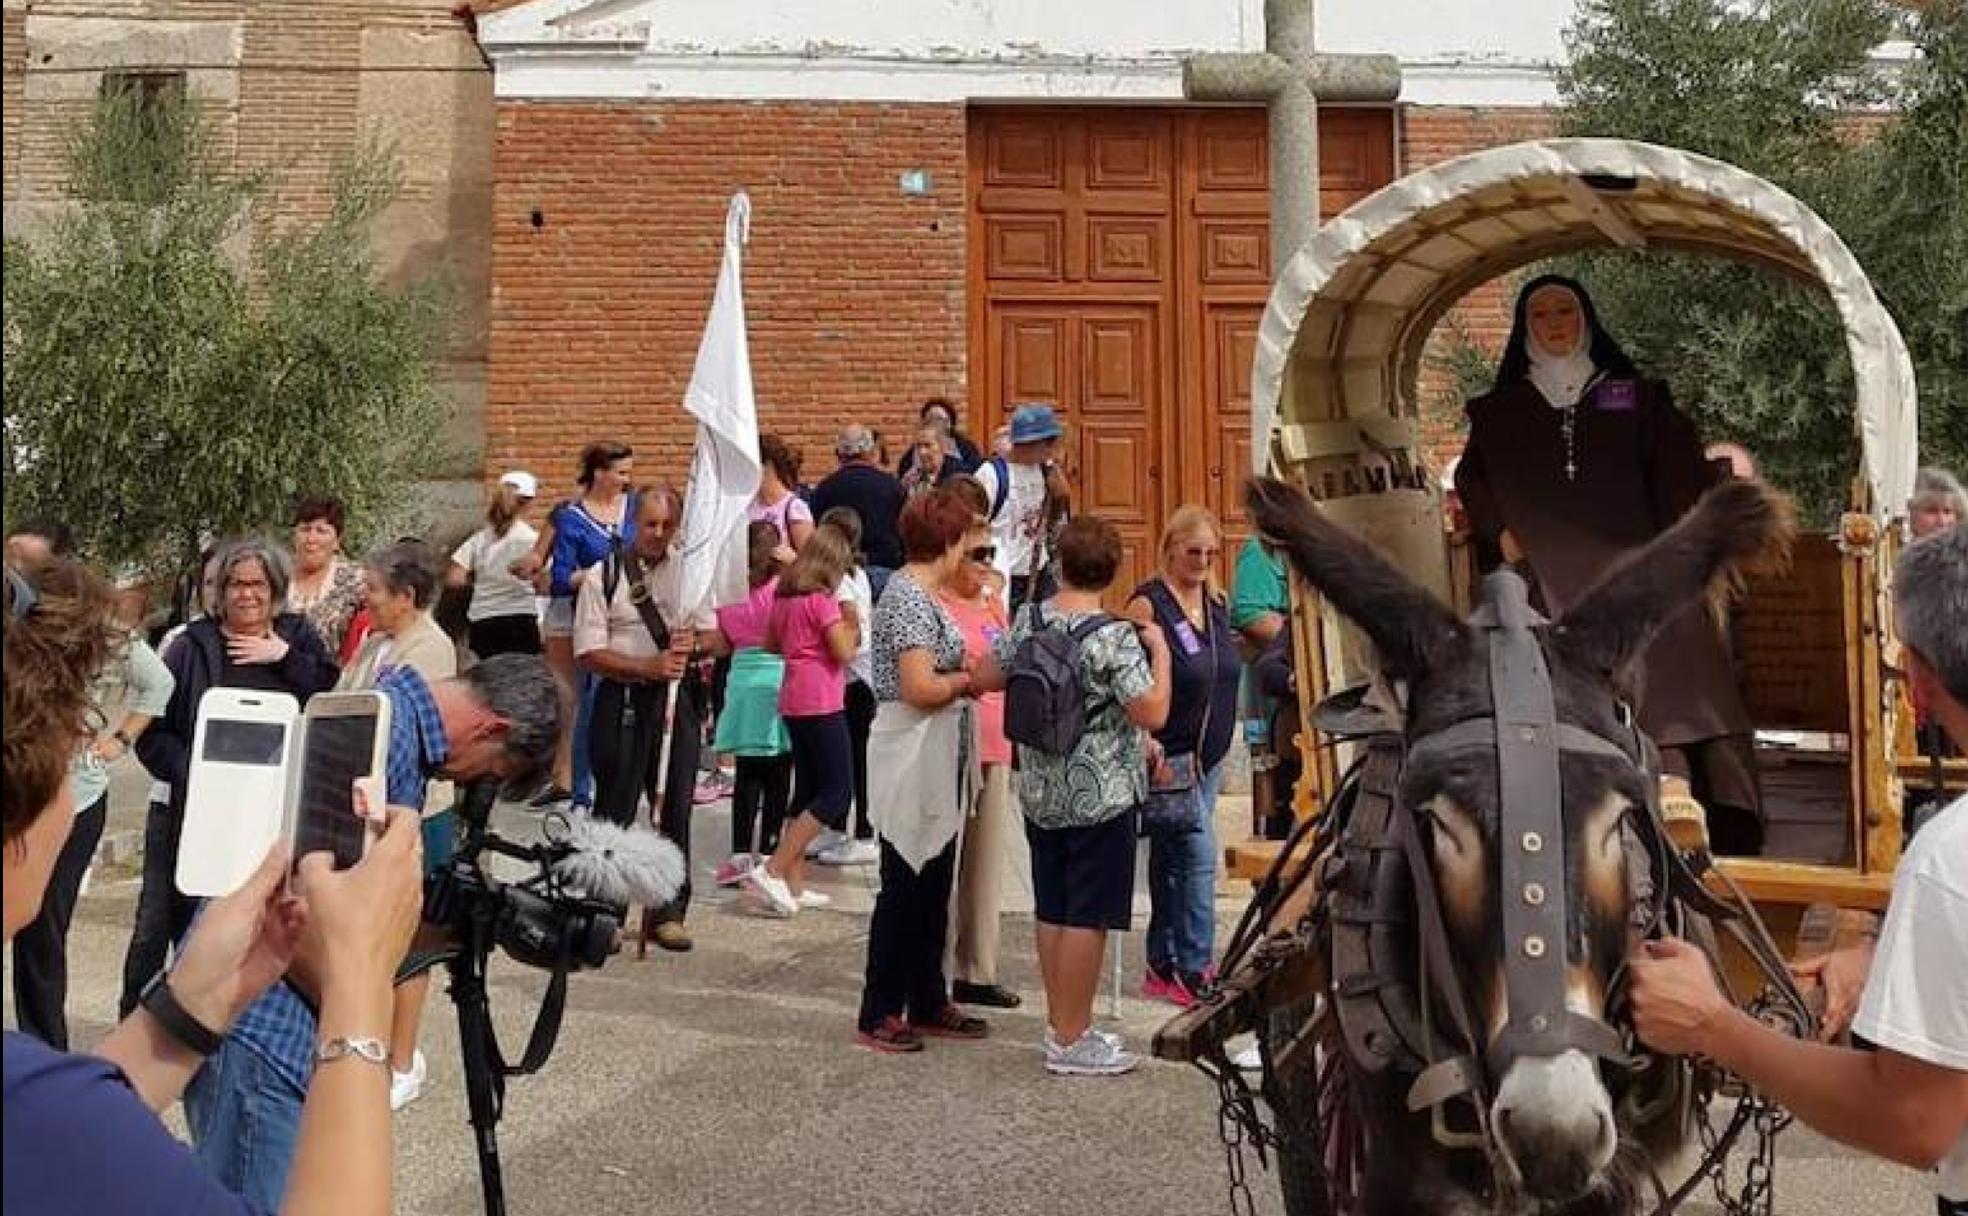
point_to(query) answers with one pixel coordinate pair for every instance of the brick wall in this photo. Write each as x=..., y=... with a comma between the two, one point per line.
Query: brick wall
x=13, y=58
x=1430, y=134
x=291, y=88
x=855, y=294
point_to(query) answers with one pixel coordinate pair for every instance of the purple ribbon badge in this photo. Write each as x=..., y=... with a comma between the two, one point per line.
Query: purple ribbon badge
x=1617, y=396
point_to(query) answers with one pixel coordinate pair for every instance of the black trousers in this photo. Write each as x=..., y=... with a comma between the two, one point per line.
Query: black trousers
x=163, y=914
x=906, y=939
x=860, y=719
x=624, y=744
x=41, y=949
x=760, y=793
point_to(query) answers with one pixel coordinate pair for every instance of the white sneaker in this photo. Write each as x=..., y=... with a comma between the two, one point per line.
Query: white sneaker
x=1094, y=1055
x=1053, y=1047
x=811, y=898
x=776, y=895
x=407, y=1087
x=824, y=842
x=851, y=853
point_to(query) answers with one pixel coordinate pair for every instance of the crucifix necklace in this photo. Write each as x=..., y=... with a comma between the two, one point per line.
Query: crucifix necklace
x=1568, y=427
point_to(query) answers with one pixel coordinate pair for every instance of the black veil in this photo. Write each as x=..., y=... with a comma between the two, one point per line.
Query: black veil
x=1605, y=351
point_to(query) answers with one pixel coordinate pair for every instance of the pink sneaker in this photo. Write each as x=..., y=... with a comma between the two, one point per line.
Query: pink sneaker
x=1169, y=988
x=732, y=870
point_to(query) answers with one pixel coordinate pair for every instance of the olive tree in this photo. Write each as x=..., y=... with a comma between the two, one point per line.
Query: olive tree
x=178, y=365
x=1791, y=91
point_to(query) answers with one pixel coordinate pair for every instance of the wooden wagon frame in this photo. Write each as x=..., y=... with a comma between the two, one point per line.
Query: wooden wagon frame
x=1337, y=407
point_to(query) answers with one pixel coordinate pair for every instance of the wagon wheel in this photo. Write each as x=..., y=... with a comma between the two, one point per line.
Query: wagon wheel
x=1318, y=1131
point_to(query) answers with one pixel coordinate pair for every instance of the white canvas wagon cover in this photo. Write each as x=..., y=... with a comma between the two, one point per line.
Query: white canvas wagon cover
x=1348, y=317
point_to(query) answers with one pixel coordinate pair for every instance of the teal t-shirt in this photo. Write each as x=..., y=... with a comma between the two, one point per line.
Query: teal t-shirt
x=1258, y=586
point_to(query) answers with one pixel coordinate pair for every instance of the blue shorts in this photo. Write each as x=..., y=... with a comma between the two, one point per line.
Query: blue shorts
x=1083, y=877
x=823, y=767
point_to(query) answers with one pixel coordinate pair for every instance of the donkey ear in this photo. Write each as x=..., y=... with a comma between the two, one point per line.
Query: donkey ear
x=1408, y=626
x=1736, y=528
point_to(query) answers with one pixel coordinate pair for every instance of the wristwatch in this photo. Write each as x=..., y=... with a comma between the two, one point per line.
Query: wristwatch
x=175, y=1019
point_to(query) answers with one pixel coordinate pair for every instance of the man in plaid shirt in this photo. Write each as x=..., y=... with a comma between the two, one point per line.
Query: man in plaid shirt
x=497, y=721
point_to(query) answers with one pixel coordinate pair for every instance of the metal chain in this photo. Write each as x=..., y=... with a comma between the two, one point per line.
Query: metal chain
x=1238, y=1124
x=1754, y=1113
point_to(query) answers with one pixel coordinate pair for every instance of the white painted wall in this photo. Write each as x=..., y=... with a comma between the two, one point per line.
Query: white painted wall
x=1471, y=52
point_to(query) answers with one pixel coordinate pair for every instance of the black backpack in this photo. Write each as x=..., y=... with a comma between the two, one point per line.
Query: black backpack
x=1045, y=706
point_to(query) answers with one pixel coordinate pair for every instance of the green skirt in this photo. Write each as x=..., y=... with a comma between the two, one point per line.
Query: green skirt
x=750, y=724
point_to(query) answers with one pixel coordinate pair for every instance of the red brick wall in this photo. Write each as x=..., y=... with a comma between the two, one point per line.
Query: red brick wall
x=855, y=294
x=1430, y=134
x=13, y=49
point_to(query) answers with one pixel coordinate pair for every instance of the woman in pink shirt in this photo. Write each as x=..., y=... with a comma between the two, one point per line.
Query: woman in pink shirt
x=817, y=636
x=974, y=598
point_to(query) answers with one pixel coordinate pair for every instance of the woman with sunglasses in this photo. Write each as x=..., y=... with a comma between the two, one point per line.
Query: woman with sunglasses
x=974, y=598
x=1186, y=757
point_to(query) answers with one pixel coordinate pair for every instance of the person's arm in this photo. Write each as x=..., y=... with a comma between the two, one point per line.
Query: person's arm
x=148, y=694
x=591, y=644
x=531, y=566
x=1886, y=1102
x=1479, y=502
x=1678, y=471
x=307, y=667
x=799, y=523
x=235, y=952
x=360, y=925
x=844, y=639
x=1277, y=669
x=163, y=750
x=923, y=686
x=1149, y=711
x=463, y=558
x=709, y=641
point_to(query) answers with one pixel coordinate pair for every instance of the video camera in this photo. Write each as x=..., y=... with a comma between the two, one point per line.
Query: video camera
x=564, y=915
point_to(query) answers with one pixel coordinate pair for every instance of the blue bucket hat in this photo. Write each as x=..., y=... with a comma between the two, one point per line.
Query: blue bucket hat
x=1034, y=423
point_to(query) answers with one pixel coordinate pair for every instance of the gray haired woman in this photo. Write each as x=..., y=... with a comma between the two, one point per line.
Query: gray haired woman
x=1938, y=503
x=250, y=641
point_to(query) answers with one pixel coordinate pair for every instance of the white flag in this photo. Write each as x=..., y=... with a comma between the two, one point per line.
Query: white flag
x=724, y=471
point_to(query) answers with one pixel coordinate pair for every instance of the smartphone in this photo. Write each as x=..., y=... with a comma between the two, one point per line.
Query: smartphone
x=237, y=789
x=344, y=737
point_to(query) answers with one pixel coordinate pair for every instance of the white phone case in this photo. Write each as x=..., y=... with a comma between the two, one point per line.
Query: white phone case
x=239, y=784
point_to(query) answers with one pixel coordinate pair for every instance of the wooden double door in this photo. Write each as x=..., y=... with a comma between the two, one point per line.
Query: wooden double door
x=1119, y=264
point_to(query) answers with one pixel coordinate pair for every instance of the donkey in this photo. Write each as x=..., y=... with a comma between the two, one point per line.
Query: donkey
x=1560, y=1140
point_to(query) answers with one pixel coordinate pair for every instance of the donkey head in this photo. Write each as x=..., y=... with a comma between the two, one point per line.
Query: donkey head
x=1551, y=1108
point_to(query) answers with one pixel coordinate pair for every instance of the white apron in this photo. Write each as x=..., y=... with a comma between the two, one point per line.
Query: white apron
x=922, y=769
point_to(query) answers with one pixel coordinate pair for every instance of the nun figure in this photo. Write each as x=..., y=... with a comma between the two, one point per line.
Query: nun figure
x=1573, y=459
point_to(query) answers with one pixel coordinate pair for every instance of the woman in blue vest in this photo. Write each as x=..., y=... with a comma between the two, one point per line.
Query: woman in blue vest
x=1187, y=756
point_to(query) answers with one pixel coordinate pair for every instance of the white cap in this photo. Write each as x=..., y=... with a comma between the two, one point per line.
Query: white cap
x=523, y=482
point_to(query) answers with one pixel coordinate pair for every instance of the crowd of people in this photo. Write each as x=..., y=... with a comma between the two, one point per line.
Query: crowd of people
x=857, y=693
x=924, y=659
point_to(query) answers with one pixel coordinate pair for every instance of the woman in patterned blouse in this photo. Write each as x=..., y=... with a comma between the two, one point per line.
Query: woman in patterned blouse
x=327, y=589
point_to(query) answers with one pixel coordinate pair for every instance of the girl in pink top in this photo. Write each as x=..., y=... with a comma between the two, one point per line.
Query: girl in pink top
x=817, y=636
x=749, y=727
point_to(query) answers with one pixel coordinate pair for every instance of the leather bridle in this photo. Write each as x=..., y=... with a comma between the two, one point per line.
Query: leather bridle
x=1381, y=863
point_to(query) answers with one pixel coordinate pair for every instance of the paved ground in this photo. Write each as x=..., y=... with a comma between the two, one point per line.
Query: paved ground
x=725, y=1081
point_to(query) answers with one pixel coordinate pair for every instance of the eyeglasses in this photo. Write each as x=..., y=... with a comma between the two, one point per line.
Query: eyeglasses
x=983, y=554
x=1198, y=553
x=248, y=584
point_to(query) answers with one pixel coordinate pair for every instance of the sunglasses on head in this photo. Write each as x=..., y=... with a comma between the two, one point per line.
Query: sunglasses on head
x=983, y=554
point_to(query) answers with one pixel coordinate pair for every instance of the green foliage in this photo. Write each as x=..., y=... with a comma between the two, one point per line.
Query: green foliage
x=1774, y=87
x=177, y=369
